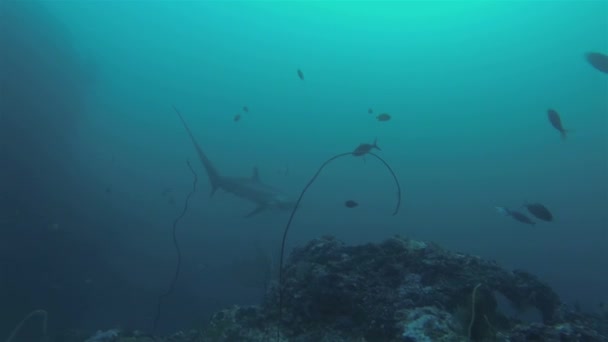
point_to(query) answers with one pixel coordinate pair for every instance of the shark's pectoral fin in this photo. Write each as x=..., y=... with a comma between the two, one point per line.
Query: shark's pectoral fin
x=256, y=211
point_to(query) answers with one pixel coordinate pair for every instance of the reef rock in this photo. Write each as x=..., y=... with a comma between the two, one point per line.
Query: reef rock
x=400, y=290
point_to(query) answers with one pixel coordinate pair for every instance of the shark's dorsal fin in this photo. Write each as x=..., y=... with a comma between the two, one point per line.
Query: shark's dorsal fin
x=256, y=174
x=256, y=211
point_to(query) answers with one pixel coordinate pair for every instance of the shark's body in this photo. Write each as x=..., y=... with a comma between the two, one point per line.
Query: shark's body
x=252, y=189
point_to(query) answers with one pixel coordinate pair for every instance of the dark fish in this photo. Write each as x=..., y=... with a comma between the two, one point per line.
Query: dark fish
x=539, y=211
x=109, y=189
x=301, y=74
x=366, y=148
x=556, y=122
x=350, y=204
x=237, y=117
x=598, y=61
x=370, y=111
x=245, y=109
x=383, y=117
x=521, y=217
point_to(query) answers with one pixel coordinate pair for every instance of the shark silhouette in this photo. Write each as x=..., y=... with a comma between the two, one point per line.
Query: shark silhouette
x=264, y=196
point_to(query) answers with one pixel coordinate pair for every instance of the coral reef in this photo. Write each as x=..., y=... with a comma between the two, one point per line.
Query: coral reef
x=399, y=290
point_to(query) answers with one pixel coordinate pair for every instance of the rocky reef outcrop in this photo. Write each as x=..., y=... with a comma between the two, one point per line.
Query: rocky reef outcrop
x=399, y=290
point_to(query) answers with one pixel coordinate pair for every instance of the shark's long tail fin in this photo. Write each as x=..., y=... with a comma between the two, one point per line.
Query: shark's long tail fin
x=214, y=176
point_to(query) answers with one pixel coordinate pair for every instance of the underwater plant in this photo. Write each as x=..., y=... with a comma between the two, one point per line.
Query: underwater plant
x=17, y=329
x=295, y=208
x=177, y=249
x=473, y=298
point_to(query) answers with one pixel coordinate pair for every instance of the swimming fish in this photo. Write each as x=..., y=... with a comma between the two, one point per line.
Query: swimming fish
x=365, y=148
x=539, y=211
x=237, y=117
x=516, y=215
x=301, y=74
x=370, y=111
x=383, y=117
x=521, y=217
x=245, y=109
x=556, y=122
x=350, y=204
x=598, y=61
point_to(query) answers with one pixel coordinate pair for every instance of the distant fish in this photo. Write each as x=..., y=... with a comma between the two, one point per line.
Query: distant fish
x=109, y=189
x=383, y=117
x=556, y=121
x=301, y=74
x=539, y=211
x=365, y=148
x=245, y=109
x=598, y=61
x=237, y=117
x=516, y=215
x=370, y=111
x=351, y=204
x=521, y=217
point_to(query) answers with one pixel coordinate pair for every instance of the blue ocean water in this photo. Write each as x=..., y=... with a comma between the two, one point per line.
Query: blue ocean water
x=94, y=158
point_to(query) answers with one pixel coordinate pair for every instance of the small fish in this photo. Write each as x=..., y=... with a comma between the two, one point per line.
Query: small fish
x=245, y=109
x=109, y=189
x=598, y=61
x=539, y=211
x=365, y=148
x=370, y=111
x=556, y=122
x=237, y=118
x=351, y=204
x=515, y=215
x=521, y=217
x=301, y=74
x=383, y=117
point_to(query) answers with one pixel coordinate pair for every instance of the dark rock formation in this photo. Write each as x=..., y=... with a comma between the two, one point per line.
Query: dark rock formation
x=399, y=290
